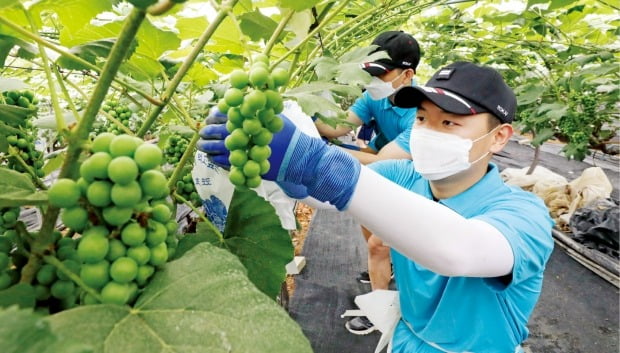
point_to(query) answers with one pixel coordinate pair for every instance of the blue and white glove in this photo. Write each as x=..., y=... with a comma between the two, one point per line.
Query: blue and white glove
x=300, y=164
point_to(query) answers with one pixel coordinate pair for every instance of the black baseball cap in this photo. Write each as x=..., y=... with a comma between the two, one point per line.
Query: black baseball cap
x=402, y=48
x=463, y=88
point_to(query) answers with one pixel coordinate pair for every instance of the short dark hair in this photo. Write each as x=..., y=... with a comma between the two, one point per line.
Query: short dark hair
x=493, y=121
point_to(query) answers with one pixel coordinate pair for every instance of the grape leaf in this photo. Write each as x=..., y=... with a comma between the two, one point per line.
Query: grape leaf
x=298, y=5
x=202, y=302
x=257, y=26
x=256, y=236
x=18, y=190
x=90, y=52
x=21, y=294
x=29, y=333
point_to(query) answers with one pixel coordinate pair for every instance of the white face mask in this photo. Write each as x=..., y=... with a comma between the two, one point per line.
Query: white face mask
x=379, y=89
x=438, y=155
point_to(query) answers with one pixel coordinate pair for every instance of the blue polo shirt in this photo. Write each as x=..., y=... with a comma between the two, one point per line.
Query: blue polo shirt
x=470, y=314
x=392, y=123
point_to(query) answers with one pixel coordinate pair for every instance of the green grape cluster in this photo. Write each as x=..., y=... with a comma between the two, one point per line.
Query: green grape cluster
x=121, y=113
x=186, y=188
x=174, y=149
x=24, y=99
x=24, y=134
x=252, y=104
x=8, y=220
x=53, y=288
x=119, y=206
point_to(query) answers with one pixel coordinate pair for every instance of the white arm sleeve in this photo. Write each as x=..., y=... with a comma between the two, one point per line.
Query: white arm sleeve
x=427, y=232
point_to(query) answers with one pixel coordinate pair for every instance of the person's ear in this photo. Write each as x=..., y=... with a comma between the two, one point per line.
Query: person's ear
x=501, y=137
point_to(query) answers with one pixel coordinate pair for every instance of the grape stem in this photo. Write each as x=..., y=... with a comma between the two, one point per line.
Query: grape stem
x=75, y=278
x=201, y=215
x=187, y=64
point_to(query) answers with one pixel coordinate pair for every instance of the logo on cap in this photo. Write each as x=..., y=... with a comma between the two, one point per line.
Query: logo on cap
x=444, y=74
x=502, y=110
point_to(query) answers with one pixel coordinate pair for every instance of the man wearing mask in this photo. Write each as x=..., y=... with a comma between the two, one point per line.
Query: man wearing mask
x=468, y=250
x=374, y=110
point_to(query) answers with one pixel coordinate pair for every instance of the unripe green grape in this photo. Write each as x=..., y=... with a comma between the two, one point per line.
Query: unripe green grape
x=247, y=110
x=117, y=216
x=123, y=270
x=117, y=249
x=140, y=254
x=5, y=280
x=253, y=182
x=64, y=193
x=75, y=218
x=89, y=300
x=96, y=166
x=133, y=234
x=62, y=289
x=161, y=213
x=126, y=195
x=265, y=115
x=5, y=245
x=233, y=97
x=239, y=79
x=144, y=273
x=122, y=145
x=96, y=275
x=238, y=158
x=236, y=176
x=258, y=76
x=255, y=99
x=4, y=261
x=260, y=58
x=275, y=125
x=156, y=234
x=280, y=76
x=263, y=138
x=236, y=140
x=46, y=274
x=154, y=184
x=101, y=143
x=159, y=255
x=123, y=169
x=251, y=169
x=252, y=126
x=235, y=116
x=230, y=126
x=98, y=193
x=41, y=292
x=259, y=153
x=115, y=293
x=264, y=167
x=93, y=248
x=148, y=156
x=172, y=226
x=222, y=106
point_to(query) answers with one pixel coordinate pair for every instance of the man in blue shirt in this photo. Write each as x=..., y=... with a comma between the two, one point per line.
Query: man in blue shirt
x=392, y=127
x=469, y=251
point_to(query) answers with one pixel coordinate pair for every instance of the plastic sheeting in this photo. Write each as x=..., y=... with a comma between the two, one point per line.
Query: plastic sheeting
x=597, y=226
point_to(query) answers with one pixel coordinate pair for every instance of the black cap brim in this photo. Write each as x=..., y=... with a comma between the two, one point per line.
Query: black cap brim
x=413, y=96
x=377, y=68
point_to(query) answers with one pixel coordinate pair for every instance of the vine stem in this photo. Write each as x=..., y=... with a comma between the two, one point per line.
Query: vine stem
x=78, y=137
x=67, y=54
x=65, y=92
x=187, y=64
x=75, y=278
x=201, y=215
x=274, y=37
x=311, y=34
x=60, y=120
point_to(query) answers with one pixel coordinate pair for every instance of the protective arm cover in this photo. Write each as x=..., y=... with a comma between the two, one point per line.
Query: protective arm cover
x=427, y=232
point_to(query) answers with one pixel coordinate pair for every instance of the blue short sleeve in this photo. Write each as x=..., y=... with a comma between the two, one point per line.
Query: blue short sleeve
x=524, y=220
x=402, y=140
x=362, y=108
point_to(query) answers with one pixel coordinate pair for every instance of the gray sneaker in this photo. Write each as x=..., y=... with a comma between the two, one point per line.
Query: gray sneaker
x=360, y=325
